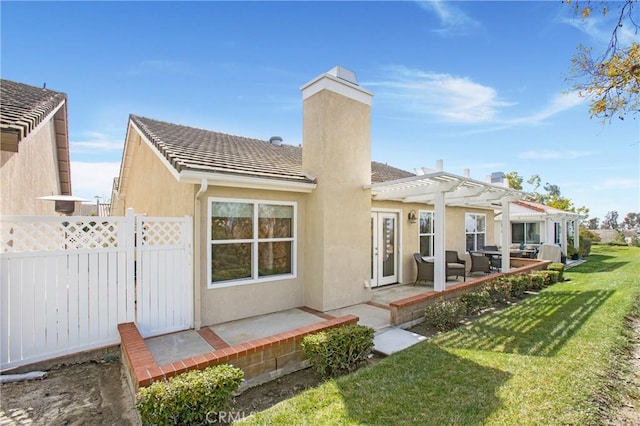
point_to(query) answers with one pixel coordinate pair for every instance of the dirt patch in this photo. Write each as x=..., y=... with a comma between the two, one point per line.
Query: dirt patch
x=89, y=393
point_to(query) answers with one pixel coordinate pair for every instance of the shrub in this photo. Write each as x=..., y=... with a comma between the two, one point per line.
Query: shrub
x=499, y=290
x=557, y=267
x=445, y=315
x=339, y=349
x=189, y=398
x=519, y=284
x=475, y=302
x=548, y=277
x=536, y=281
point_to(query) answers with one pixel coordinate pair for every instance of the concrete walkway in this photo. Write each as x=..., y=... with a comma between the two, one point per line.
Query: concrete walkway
x=177, y=346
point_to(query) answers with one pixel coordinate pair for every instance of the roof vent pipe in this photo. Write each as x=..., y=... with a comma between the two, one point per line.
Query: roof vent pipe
x=439, y=165
x=275, y=140
x=467, y=173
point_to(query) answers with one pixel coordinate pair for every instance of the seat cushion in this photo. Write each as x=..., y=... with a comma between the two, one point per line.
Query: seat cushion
x=455, y=265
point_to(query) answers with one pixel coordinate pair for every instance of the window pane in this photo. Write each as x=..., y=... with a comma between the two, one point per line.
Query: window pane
x=426, y=245
x=480, y=223
x=480, y=241
x=533, y=233
x=517, y=233
x=470, y=242
x=470, y=223
x=230, y=261
x=274, y=258
x=426, y=225
x=231, y=221
x=275, y=221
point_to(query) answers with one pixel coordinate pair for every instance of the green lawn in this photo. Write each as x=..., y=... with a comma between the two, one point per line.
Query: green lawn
x=542, y=361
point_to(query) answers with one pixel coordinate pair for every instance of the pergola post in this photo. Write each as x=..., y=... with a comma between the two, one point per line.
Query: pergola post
x=439, y=271
x=564, y=231
x=576, y=234
x=506, y=234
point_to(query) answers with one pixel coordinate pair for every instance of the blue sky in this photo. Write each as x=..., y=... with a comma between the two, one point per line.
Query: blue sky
x=480, y=85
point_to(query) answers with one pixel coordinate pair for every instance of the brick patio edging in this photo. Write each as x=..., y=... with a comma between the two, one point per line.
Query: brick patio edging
x=408, y=312
x=261, y=359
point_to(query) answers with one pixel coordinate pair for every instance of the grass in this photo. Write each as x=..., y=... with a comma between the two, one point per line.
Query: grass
x=546, y=360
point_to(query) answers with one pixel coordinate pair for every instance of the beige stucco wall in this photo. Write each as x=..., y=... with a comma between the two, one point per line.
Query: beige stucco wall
x=337, y=151
x=225, y=303
x=30, y=173
x=454, y=232
x=150, y=188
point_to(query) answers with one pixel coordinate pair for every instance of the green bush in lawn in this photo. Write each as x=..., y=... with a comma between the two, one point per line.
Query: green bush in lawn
x=557, y=267
x=445, y=315
x=475, y=302
x=549, y=277
x=189, y=398
x=338, y=350
x=519, y=284
x=499, y=289
x=536, y=281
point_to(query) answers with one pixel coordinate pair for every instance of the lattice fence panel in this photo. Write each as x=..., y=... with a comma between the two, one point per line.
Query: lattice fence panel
x=59, y=233
x=162, y=232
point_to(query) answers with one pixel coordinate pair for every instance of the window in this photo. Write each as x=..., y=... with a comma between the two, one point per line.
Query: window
x=425, y=231
x=251, y=240
x=525, y=233
x=475, y=231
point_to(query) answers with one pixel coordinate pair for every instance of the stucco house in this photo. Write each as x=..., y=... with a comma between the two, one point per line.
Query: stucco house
x=533, y=224
x=279, y=226
x=34, y=151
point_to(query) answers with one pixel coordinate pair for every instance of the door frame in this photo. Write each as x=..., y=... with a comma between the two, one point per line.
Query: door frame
x=377, y=214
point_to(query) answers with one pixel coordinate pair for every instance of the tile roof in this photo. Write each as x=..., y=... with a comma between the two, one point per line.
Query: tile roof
x=23, y=107
x=188, y=148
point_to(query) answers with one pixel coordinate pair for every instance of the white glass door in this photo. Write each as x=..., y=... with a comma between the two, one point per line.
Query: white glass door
x=384, y=242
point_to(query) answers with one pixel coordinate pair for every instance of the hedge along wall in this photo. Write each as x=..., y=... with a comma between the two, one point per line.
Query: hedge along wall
x=261, y=360
x=410, y=311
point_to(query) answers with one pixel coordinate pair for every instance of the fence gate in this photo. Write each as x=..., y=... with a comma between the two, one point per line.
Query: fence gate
x=164, y=284
x=67, y=282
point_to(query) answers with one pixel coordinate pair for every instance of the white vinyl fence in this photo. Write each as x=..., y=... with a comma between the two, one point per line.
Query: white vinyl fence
x=67, y=282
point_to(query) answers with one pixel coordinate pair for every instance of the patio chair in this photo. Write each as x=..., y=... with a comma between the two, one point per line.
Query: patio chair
x=479, y=263
x=494, y=260
x=455, y=265
x=425, y=269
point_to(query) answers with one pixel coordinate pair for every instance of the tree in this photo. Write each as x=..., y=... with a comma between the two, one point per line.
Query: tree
x=610, y=220
x=593, y=223
x=514, y=180
x=612, y=79
x=631, y=221
x=552, y=196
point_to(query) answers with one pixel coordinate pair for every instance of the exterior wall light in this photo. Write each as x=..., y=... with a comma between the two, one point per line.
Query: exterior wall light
x=413, y=218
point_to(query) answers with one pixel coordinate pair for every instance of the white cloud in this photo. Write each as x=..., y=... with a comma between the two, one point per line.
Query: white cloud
x=456, y=99
x=95, y=141
x=91, y=179
x=558, y=104
x=598, y=27
x=453, y=19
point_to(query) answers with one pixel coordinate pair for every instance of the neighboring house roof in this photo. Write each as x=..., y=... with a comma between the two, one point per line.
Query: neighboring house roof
x=23, y=108
x=189, y=148
x=522, y=210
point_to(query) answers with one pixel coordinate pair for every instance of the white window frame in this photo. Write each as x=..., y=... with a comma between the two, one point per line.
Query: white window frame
x=255, y=278
x=526, y=226
x=475, y=232
x=431, y=234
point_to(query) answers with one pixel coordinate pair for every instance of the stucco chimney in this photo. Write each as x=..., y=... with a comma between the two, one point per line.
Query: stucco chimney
x=336, y=149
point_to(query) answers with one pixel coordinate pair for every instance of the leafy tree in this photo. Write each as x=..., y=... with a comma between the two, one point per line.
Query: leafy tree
x=593, y=223
x=610, y=220
x=514, y=180
x=631, y=221
x=612, y=79
x=551, y=196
